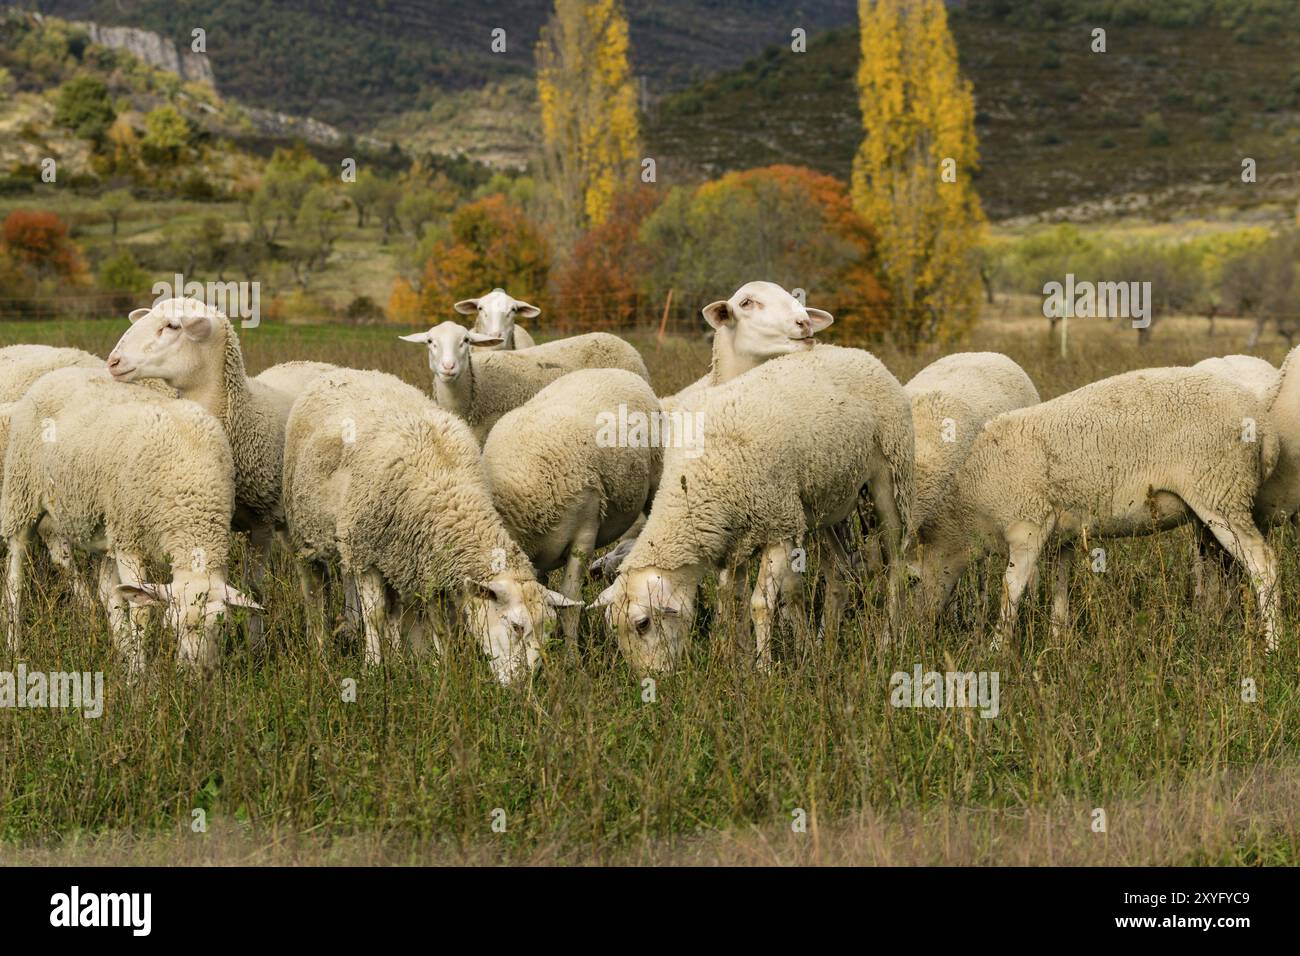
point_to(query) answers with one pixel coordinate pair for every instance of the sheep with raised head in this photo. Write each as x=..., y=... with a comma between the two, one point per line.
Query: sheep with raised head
x=480, y=387
x=393, y=487
x=129, y=475
x=788, y=448
x=760, y=321
x=495, y=316
x=194, y=348
x=573, y=467
x=1125, y=456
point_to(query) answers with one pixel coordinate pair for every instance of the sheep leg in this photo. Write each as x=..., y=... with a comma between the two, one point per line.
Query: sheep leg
x=60, y=553
x=1061, y=596
x=121, y=622
x=836, y=571
x=1210, y=565
x=581, y=546
x=260, y=538
x=1241, y=539
x=733, y=603
x=375, y=617
x=774, y=583
x=14, y=586
x=892, y=532
x=1025, y=545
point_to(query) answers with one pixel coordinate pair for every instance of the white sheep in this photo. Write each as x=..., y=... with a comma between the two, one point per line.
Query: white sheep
x=22, y=365
x=788, y=447
x=194, y=348
x=393, y=487
x=480, y=387
x=1256, y=375
x=1125, y=456
x=760, y=321
x=573, y=467
x=495, y=315
x=952, y=399
x=129, y=475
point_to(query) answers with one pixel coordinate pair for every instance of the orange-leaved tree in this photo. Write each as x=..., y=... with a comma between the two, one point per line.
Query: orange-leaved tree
x=601, y=284
x=487, y=243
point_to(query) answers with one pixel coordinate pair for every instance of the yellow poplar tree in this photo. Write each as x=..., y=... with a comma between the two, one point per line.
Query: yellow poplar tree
x=912, y=173
x=589, y=117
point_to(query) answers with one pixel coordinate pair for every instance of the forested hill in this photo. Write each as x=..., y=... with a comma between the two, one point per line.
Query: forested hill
x=350, y=62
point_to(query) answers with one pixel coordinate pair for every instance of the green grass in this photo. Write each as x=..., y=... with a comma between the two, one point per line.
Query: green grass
x=1137, y=709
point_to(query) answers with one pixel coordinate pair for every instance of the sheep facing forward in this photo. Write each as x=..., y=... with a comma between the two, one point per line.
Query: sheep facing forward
x=381, y=479
x=494, y=322
x=788, y=448
x=1122, y=457
x=129, y=475
x=563, y=484
x=480, y=387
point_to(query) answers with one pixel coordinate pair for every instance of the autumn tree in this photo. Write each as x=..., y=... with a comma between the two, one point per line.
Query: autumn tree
x=589, y=113
x=912, y=173
x=786, y=224
x=487, y=243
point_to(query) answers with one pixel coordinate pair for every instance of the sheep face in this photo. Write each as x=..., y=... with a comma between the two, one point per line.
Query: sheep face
x=195, y=606
x=508, y=617
x=167, y=342
x=651, y=614
x=449, y=348
x=495, y=314
x=766, y=321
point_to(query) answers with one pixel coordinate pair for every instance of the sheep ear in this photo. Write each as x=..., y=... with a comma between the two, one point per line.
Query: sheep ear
x=135, y=315
x=144, y=593
x=604, y=599
x=526, y=311
x=820, y=319
x=419, y=338
x=196, y=327
x=556, y=599
x=482, y=338
x=237, y=598
x=717, y=314
x=466, y=306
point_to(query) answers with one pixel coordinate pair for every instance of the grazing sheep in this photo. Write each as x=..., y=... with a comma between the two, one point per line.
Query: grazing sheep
x=481, y=387
x=760, y=321
x=563, y=478
x=22, y=365
x=951, y=400
x=195, y=349
x=495, y=320
x=1125, y=456
x=788, y=448
x=392, y=486
x=129, y=475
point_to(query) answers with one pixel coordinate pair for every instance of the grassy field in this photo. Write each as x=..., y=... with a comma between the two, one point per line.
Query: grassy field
x=1137, y=709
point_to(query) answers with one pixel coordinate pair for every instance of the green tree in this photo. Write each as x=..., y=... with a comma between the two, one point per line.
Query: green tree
x=166, y=136
x=85, y=107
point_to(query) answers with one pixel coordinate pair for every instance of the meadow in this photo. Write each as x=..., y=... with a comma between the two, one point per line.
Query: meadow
x=1137, y=709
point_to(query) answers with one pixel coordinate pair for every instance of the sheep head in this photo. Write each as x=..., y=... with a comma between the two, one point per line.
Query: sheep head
x=508, y=617
x=449, y=347
x=764, y=321
x=651, y=612
x=495, y=314
x=168, y=341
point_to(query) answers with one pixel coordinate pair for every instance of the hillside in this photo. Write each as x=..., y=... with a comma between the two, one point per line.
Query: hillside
x=349, y=63
x=1163, y=108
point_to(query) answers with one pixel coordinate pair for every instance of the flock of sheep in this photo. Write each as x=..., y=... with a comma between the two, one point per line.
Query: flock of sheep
x=444, y=514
